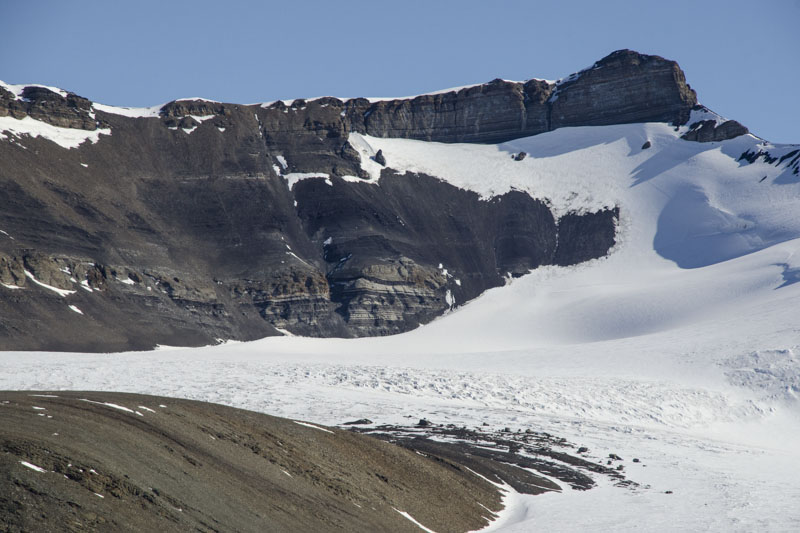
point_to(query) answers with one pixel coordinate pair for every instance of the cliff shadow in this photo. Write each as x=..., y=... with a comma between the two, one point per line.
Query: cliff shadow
x=695, y=234
x=791, y=275
x=787, y=177
x=566, y=140
x=665, y=160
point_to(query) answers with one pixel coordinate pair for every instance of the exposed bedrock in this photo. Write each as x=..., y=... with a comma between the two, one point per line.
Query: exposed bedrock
x=710, y=131
x=621, y=88
x=186, y=258
x=195, y=225
x=70, y=111
x=493, y=112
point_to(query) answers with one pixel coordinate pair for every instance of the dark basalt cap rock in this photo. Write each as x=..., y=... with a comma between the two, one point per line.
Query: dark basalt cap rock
x=496, y=111
x=380, y=158
x=40, y=103
x=10, y=106
x=328, y=100
x=182, y=108
x=624, y=87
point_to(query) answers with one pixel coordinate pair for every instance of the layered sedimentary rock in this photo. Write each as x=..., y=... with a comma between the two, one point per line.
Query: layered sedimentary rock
x=189, y=227
x=493, y=112
x=40, y=103
x=710, y=131
x=622, y=88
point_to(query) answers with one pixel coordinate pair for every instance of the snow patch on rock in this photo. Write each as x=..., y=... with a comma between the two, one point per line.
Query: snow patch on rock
x=64, y=137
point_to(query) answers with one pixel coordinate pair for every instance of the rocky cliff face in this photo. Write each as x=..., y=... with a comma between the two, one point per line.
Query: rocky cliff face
x=40, y=103
x=493, y=112
x=189, y=227
x=622, y=88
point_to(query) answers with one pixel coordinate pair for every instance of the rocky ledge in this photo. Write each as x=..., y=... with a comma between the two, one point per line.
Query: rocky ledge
x=46, y=105
x=713, y=130
x=622, y=88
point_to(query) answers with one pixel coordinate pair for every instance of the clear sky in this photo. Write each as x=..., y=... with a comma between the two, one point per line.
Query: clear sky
x=742, y=57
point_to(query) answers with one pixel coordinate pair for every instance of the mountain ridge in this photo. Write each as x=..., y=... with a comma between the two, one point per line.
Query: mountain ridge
x=525, y=108
x=204, y=221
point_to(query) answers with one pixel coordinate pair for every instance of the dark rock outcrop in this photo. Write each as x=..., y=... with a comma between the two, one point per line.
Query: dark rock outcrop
x=493, y=112
x=310, y=136
x=622, y=88
x=40, y=103
x=11, y=271
x=709, y=131
x=182, y=108
x=584, y=237
x=360, y=421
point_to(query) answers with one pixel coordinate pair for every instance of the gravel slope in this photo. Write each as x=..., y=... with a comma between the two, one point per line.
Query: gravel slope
x=91, y=461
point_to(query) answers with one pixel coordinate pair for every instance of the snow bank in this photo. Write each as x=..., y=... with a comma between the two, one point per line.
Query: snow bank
x=293, y=177
x=130, y=112
x=64, y=137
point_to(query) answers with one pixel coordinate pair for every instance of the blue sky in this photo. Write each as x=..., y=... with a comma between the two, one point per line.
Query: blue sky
x=742, y=58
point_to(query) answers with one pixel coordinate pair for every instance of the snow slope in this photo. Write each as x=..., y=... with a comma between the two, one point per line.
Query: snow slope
x=680, y=348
